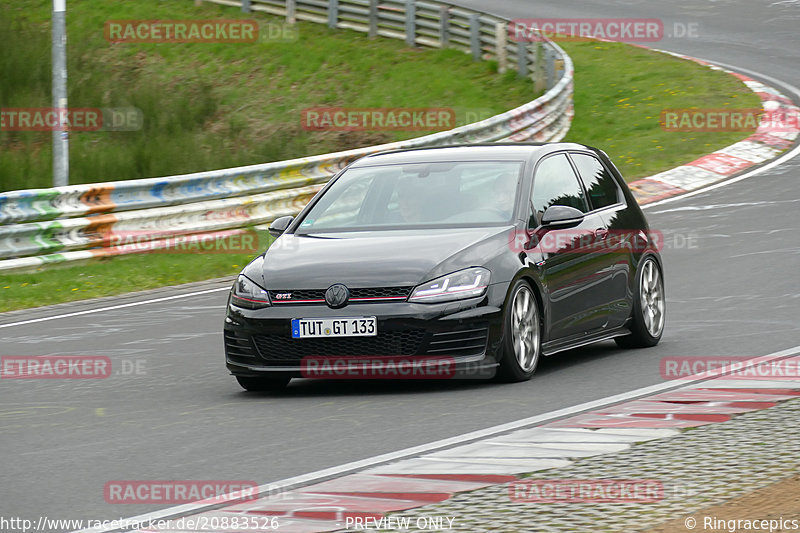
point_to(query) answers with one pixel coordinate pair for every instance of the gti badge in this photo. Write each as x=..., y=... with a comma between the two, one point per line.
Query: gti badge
x=337, y=296
x=283, y=296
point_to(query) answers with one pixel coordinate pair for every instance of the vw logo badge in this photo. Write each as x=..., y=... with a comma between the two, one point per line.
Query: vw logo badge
x=337, y=296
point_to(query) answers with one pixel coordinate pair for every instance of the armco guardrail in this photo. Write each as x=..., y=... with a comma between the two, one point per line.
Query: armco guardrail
x=75, y=222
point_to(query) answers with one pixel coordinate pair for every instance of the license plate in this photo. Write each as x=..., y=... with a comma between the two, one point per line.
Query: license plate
x=362, y=326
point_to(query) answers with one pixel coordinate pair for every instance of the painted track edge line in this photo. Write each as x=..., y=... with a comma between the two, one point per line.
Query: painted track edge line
x=335, y=471
x=113, y=307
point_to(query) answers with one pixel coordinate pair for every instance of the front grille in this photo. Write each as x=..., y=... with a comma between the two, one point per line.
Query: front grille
x=463, y=342
x=318, y=295
x=236, y=346
x=285, y=348
x=381, y=292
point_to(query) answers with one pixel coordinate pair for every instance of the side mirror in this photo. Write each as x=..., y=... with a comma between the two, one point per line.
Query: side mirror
x=279, y=225
x=561, y=215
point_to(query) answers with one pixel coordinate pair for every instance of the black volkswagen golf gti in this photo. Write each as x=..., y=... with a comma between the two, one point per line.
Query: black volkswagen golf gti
x=458, y=261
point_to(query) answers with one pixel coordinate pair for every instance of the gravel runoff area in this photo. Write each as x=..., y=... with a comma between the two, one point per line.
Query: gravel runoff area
x=742, y=469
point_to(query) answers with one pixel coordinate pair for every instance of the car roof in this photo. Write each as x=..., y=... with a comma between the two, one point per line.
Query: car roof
x=463, y=152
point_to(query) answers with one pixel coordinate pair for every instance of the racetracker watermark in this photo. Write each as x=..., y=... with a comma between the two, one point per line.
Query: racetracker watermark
x=705, y=120
x=740, y=367
x=394, y=367
x=72, y=119
x=581, y=241
x=55, y=367
x=220, y=242
x=378, y=118
x=278, y=32
x=182, y=31
x=586, y=491
x=377, y=367
x=585, y=29
x=179, y=491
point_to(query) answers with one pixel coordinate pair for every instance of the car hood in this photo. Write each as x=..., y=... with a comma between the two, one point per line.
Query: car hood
x=390, y=258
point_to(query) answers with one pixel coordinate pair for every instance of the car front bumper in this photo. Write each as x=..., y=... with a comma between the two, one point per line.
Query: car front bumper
x=440, y=341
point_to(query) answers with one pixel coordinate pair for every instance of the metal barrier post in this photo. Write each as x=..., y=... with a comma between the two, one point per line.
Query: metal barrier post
x=538, y=68
x=373, y=18
x=444, y=26
x=500, y=41
x=333, y=13
x=475, y=36
x=522, y=59
x=411, y=23
x=291, y=9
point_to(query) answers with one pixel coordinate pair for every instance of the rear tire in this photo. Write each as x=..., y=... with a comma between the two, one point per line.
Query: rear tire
x=263, y=384
x=522, y=335
x=649, y=307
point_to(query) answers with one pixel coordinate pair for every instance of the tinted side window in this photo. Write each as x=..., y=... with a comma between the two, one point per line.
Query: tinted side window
x=600, y=185
x=555, y=183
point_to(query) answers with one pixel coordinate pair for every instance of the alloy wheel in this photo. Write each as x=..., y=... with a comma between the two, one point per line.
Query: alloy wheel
x=525, y=329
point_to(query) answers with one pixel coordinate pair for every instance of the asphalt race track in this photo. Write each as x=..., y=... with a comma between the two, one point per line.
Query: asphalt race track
x=731, y=267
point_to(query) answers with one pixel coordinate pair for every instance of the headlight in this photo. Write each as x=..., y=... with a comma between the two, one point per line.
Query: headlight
x=245, y=293
x=467, y=283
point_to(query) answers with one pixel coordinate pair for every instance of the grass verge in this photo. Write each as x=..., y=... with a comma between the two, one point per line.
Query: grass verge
x=81, y=280
x=218, y=105
x=619, y=94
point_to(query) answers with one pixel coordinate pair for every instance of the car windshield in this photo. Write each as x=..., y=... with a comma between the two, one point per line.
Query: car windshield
x=422, y=195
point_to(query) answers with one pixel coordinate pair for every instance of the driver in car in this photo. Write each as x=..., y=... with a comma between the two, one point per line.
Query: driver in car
x=410, y=202
x=503, y=194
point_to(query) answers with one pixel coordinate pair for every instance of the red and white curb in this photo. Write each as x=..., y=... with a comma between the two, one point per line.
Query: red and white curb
x=762, y=146
x=611, y=426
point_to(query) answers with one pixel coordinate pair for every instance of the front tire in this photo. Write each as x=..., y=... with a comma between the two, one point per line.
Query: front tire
x=522, y=335
x=649, y=307
x=263, y=384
